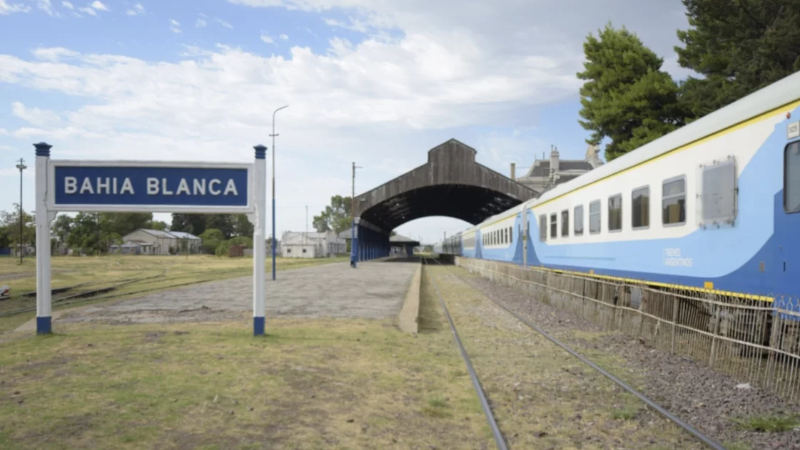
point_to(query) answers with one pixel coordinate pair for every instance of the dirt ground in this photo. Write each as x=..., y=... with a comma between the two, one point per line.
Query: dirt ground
x=706, y=399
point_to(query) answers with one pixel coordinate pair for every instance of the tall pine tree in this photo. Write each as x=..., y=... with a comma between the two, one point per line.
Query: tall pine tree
x=626, y=97
x=738, y=46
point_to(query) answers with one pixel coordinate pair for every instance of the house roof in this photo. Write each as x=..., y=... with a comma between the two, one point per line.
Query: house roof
x=183, y=235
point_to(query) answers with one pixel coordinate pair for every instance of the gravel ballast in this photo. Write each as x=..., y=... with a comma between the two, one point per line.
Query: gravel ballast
x=704, y=398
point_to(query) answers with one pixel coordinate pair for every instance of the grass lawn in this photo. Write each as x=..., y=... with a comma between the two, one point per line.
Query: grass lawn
x=126, y=274
x=308, y=384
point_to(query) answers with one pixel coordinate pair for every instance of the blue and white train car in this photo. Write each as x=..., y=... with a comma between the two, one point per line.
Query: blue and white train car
x=715, y=204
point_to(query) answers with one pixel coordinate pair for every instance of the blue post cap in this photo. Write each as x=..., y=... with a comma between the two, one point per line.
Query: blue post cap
x=42, y=149
x=261, y=151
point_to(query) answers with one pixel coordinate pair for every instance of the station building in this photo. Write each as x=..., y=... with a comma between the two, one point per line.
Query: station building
x=312, y=245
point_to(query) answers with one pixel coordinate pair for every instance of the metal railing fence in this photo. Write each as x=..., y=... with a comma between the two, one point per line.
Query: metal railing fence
x=754, y=339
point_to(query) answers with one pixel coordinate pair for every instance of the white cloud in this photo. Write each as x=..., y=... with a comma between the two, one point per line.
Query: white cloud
x=46, y=6
x=88, y=10
x=54, y=53
x=224, y=23
x=136, y=10
x=267, y=39
x=99, y=6
x=68, y=5
x=11, y=8
x=419, y=76
x=174, y=26
x=35, y=116
x=200, y=23
x=283, y=37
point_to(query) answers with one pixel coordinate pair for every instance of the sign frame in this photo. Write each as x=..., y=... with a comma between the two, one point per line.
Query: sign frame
x=255, y=208
x=249, y=208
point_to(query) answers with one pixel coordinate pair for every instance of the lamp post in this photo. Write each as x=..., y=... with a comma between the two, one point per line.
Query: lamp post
x=354, y=231
x=273, y=187
x=21, y=166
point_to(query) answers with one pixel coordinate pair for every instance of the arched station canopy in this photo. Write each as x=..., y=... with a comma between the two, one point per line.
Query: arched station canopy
x=450, y=184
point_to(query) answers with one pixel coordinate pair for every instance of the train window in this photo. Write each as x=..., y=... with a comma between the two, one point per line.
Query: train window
x=553, y=225
x=594, y=217
x=791, y=178
x=542, y=228
x=565, y=223
x=673, y=201
x=615, y=212
x=640, y=199
x=718, y=192
x=577, y=217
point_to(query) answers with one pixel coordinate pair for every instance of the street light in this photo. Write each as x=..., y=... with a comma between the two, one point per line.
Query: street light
x=353, y=237
x=21, y=166
x=273, y=187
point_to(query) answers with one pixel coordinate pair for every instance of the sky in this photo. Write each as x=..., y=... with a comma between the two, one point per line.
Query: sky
x=377, y=82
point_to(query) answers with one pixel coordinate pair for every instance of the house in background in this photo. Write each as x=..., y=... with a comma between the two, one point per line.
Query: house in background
x=157, y=242
x=545, y=174
x=311, y=245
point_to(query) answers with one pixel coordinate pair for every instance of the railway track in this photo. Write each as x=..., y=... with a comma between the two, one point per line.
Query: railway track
x=498, y=436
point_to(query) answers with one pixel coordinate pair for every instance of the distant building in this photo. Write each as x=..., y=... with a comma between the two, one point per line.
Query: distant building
x=311, y=245
x=187, y=242
x=401, y=245
x=545, y=174
x=157, y=242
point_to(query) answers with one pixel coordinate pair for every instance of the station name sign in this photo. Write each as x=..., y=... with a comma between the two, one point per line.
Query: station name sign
x=150, y=186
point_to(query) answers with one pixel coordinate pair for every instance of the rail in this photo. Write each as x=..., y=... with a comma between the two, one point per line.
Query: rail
x=741, y=335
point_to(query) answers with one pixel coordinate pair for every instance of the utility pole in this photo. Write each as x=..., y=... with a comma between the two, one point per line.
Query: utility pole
x=273, y=187
x=21, y=166
x=353, y=237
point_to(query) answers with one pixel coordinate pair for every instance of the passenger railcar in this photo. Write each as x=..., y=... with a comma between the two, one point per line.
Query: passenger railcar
x=715, y=204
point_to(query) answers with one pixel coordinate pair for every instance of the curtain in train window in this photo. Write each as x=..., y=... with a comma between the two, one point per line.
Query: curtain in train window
x=640, y=201
x=577, y=219
x=594, y=217
x=615, y=212
x=673, y=201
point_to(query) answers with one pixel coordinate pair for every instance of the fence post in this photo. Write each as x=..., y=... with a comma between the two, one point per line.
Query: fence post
x=675, y=301
x=715, y=316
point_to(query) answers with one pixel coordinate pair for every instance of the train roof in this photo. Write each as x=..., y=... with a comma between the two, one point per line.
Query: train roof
x=780, y=93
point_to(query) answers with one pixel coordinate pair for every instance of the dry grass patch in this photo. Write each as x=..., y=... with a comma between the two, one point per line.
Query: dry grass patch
x=543, y=397
x=308, y=383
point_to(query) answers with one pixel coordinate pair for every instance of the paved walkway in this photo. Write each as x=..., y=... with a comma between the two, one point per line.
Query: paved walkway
x=374, y=290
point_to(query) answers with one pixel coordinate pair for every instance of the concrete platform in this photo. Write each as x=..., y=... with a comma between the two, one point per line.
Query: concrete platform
x=376, y=289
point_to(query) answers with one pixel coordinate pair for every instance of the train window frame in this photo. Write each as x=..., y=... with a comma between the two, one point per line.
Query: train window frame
x=577, y=220
x=646, y=208
x=510, y=234
x=614, y=213
x=665, y=198
x=553, y=225
x=717, y=198
x=565, y=223
x=789, y=189
x=542, y=227
x=599, y=214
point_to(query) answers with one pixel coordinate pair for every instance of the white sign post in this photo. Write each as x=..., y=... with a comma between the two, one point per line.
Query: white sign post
x=151, y=186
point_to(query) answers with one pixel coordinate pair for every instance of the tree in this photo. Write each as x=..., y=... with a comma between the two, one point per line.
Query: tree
x=626, y=97
x=10, y=222
x=335, y=217
x=124, y=223
x=62, y=227
x=738, y=46
x=210, y=240
x=229, y=224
